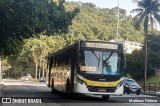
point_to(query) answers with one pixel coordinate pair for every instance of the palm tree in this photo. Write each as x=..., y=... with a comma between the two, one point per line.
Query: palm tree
x=148, y=12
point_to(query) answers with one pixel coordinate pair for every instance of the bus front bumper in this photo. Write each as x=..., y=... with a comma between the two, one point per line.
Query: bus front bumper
x=84, y=89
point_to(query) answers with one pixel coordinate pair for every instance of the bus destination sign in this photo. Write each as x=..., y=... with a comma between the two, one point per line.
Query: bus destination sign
x=101, y=45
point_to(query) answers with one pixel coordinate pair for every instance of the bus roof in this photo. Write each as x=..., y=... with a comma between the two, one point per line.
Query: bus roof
x=76, y=44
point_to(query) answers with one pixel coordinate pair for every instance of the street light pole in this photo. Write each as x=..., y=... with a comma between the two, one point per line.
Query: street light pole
x=118, y=23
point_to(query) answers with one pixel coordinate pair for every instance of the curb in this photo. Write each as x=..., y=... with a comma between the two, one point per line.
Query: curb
x=151, y=94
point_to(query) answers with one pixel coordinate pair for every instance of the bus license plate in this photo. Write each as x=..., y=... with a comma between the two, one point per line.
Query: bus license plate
x=101, y=90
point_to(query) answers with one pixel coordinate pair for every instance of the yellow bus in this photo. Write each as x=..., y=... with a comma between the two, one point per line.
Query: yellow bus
x=88, y=67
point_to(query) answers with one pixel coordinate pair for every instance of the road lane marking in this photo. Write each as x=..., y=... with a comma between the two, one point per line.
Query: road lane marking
x=146, y=104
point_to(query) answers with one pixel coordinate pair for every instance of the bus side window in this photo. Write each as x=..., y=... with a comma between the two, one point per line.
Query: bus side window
x=52, y=61
x=67, y=58
x=56, y=60
x=73, y=56
x=62, y=59
x=59, y=59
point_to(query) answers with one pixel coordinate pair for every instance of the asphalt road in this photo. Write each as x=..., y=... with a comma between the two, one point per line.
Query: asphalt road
x=19, y=88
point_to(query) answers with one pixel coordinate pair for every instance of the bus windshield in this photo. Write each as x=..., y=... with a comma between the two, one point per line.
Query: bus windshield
x=98, y=62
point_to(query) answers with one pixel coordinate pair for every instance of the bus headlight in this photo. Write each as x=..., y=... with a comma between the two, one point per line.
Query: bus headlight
x=119, y=84
x=81, y=82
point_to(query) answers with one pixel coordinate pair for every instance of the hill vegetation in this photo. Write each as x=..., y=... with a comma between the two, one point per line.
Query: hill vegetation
x=92, y=23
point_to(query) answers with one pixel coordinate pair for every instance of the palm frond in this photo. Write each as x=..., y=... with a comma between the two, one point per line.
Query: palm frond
x=152, y=21
x=138, y=19
x=148, y=11
x=141, y=3
x=136, y=24
x=136, y=10
x=156, y=3
x=156, y=6
x=157, y=17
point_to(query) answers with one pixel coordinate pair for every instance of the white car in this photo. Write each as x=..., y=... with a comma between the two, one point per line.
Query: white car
x=25, y=78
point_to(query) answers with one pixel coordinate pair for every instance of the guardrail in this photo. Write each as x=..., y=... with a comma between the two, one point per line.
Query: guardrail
x=151, y=88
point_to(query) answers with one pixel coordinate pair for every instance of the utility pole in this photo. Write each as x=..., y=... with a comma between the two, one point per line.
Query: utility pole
x=0, y=70
x=117, y=23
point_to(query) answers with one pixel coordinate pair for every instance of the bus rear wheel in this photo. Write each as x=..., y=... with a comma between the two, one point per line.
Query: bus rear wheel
x=52, y=86
x=105, y=97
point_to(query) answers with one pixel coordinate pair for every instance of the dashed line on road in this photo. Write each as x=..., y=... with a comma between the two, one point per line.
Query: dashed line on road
x=146, y=104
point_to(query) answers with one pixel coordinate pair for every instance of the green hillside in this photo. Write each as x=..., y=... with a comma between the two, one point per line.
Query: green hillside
x=94, y=23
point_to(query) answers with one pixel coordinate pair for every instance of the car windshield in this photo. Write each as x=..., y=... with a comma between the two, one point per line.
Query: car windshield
x=98, y=62
x=127, y=81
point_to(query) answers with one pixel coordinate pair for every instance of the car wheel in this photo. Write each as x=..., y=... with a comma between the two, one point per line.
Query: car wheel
x=124, y=90
x=138, y=92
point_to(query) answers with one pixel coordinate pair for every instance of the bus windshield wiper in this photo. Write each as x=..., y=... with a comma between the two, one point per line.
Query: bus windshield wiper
x=109, y=56
x=98, y=58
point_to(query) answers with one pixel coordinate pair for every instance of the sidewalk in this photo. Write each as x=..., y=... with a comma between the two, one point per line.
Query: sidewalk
x=1, y=89
x=153, y=94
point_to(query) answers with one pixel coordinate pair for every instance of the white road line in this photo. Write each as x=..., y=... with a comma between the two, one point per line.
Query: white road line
x=146, y=104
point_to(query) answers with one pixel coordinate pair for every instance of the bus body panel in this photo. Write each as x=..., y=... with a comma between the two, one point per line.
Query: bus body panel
x=92, y=87
x=60, y=74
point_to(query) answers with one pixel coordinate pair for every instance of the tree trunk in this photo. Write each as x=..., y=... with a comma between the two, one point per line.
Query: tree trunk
x=8, y=73
x=39, y=76
x=145, y=63
x=40, y=68
x=36, y=69
x=43, y=69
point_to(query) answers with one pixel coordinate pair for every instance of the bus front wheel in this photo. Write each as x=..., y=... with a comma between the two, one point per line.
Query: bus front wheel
x=68, y=86
x=105, y=97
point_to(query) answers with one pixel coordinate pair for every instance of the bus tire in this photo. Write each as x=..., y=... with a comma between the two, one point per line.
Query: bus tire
x=105, y=97
x=68, y=86
x=52, y=86
x=124, y=91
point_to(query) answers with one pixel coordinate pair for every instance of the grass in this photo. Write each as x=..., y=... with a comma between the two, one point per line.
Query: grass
x=153, y=79
x=150, y=79
x=35, y=80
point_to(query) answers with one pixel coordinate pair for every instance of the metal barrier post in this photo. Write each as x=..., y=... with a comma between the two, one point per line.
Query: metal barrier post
x=144, y=88
x=149, y=87
x=155, y=88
